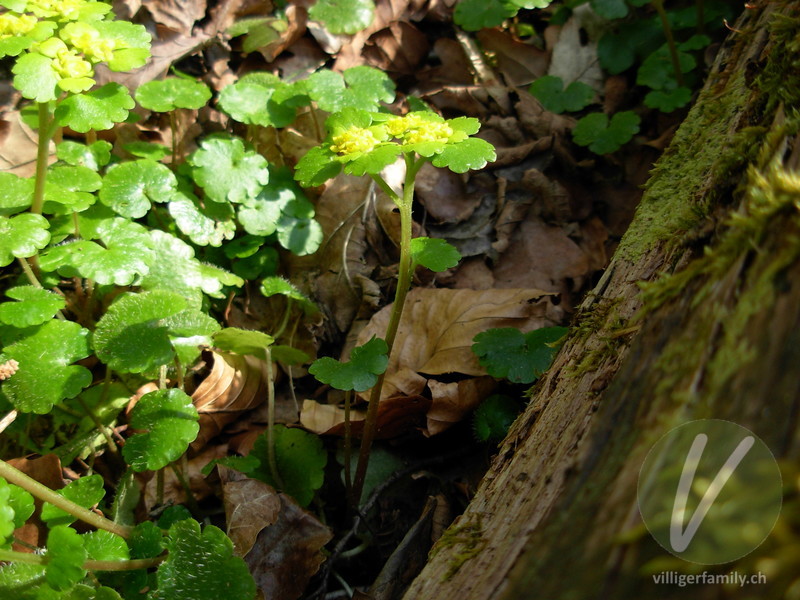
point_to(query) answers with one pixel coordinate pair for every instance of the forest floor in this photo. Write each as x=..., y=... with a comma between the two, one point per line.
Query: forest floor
x=535, y=228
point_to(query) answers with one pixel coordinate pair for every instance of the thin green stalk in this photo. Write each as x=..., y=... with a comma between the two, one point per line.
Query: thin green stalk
x=673, y=50
x=112, y=447
x=348, y=447
x=43, y=492
x=273, y=463
x=404, y=274
x=42, y=153
x=89, y=565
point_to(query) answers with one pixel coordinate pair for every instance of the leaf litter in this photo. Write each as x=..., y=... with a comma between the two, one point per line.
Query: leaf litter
x=536, y=228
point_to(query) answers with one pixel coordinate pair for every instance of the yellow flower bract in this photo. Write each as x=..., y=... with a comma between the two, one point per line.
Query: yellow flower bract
x=69, y=64
x=68, y=9
x=87, y=39
x=413, y=129
x=11, y=24
x=353, y=140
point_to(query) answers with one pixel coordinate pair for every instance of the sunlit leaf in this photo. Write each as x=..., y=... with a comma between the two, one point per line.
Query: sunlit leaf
x=169, y=422
x=34, y=307
x=165, y=95
x=343, y=16
x=201, y=566
x=85, y=491
x=359, y=373
x=227, y=172
x=22, y=236
x=66, y=555
x=434, y=254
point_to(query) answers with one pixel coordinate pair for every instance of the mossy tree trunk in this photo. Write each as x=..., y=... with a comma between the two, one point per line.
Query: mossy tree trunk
x=714, y=332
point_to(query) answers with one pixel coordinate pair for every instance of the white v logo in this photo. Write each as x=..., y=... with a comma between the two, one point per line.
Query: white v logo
x=678, y=539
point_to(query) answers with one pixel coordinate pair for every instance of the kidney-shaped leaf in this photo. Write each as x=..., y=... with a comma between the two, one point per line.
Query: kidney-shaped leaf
x=129, y=188
x=35, y=306
x=170, y=422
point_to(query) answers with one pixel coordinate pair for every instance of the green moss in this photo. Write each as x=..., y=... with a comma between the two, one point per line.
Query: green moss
x=469, y=536
x=676, y=199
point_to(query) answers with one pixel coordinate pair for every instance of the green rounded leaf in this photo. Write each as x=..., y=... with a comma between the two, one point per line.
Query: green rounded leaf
x=243, y=341
x=256, y=102
x=16, y=505
x=668, y=100
x=133, y=335
x=317, y=166
x=94, y=156
x=169, y=420
x=85, y=492
x=22, y=236
x=35, y=77
x=201, y=224
x=271, y=286
x=473, y=15
x=130, y=187
x=16, y=194
x=300, y=458
x=35, y=306
x=46, y=374
x=171, y=93
x=359, y=373
x=471, y=153
x=201, y=566
x=66, y=555
x=549, y=90
x=227, y=172
x=507, y=353
x=604, y=136
x=610, y=9
x=104, y=545
x=434, y=254
x=97, y=110
x=343, y=16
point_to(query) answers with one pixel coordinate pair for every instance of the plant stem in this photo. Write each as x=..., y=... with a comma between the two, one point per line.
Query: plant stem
x=42, y=152
x=348, y=447
x=404, y=273
x=673, y=50
x=273, y=463
x=89, y=565
x=43, y=492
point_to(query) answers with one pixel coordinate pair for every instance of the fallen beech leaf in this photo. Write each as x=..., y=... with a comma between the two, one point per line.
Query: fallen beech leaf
x=400, y=48
x=286, y=551
x=396, y=415
x=452, y=402
x=250, y=505
x=235, y=384
x=18, y=146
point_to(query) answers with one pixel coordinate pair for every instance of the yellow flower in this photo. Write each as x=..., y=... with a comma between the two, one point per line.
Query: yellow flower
x=67, y=9
x=87, y=39
x=11, y=24
x=71, y=65
x=413, y=129
x=430, y=132
x=353, y=140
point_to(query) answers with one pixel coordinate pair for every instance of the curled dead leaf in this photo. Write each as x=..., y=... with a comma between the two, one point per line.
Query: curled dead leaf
x=234, y=385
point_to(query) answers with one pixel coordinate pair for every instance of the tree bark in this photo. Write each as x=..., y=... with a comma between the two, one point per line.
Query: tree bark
x=714, y=334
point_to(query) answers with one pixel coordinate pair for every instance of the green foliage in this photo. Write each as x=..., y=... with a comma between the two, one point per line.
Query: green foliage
x=360, y=87
x=473, y=15
x=507, y=353
x=278, y=286
x=66, y=555
x=493, y=417
x=359, y=373
x=85, y=492
x=300, y=458
x=140, y=331
x=434, y=254
x=22, y=236
x=243, y=341
x=343, y=16
x=549, y=90
x=130, y=187
x=46, y=375
x=36, y=306
x=201, y=566
x=171, y=93
x=169, y=421
x=227, y=171
x=16, y=507
x=603, y=136
x=98, y=109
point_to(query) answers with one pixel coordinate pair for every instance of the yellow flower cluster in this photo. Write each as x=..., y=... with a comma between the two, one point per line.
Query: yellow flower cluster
x=413, y=129
x=87, y=39
x=66, y=9
x=69, y=64
x=353, y=140
x=11, y=24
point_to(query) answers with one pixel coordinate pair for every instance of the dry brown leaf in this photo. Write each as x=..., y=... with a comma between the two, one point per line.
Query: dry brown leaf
x=442, y=194
x=453, y=401
x=191, y=472
x=178, y=15
x=396, y=415
x=288, y=540
x=18, y=144
x=46, y=470
x=520, y=63
x=399, y=48
x=234, y=385
x=250, y=505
